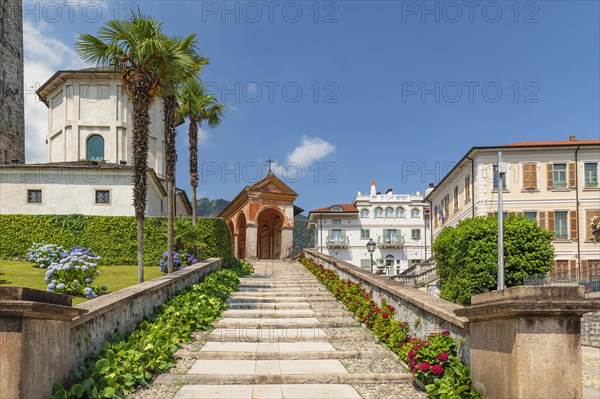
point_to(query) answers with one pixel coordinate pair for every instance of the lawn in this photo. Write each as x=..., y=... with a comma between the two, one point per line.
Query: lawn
x=25, y=274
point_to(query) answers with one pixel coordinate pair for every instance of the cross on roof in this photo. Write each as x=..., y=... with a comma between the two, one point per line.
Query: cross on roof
x=271, y=162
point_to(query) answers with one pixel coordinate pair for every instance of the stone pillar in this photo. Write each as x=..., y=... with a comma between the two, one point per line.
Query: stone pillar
x=526, y=341
x=287, y=242
x=251, y=241
x=235, y=245
x=35, y=329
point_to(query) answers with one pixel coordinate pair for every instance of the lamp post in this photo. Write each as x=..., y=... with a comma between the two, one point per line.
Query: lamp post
x=371, y=248
x=502, y=169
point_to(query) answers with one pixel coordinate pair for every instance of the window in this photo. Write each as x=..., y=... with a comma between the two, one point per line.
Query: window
x=336, y=235
x=389, y=212
x=415, y=213
x=364, y=213
x=34, y=196
x=378, y=212
x=530, y=176
x=415, y=234
x=456, y=198
x=365, y=234
x=95, y=148
x=531, y=215
x=590, y=174
x=495, y=178
x=467, y=188
x=390, y=235
x=560, y=175
x=102, y=197
x=561, y=269
x=446, y=205
x=365, y=264
x=400, y=212
x=336, y=221
x=561, y=230
x=335, y=209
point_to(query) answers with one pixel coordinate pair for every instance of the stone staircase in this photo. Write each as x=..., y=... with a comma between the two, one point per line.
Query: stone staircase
x=284, y=336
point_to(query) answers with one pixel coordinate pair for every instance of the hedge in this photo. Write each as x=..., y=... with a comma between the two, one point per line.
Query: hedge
x=111, y=237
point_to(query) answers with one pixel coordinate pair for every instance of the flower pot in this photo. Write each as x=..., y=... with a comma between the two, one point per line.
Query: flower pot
x=597, y=234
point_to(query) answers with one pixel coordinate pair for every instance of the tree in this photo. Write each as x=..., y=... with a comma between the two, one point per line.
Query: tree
x=466, y=256
x=138, y=48
x=172, y=79
x=198, y=106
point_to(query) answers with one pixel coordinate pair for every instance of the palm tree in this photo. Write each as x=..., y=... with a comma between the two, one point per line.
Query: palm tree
x=198, y=106
x=138, y=48
x=173, y=78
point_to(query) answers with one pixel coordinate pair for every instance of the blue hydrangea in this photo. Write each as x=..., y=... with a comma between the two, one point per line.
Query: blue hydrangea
x=60, y=286
x=51, y=287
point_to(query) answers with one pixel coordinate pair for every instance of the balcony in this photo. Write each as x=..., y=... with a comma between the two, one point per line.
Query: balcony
x=390, y=242
x=337, y=242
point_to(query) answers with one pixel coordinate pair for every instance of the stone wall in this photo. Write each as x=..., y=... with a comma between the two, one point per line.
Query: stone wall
x=590, y=326
x=121, y=311
x=12, y=125
x=424, y=312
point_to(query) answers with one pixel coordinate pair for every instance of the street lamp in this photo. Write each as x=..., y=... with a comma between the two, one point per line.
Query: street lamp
x=371, y=248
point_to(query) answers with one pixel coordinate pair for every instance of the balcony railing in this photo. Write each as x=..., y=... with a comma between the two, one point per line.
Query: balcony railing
x=390, y=242
x=390, y=198
x=337, y=242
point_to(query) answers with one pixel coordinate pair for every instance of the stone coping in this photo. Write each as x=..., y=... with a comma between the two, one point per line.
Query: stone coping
x=530, y=301
x=38, y=310
x=429, y=303
x=106, y=303
x=33, y=295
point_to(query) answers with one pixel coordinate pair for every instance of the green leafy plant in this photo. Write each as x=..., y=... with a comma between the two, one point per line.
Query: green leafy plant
x=467, y=255
x=134, y=359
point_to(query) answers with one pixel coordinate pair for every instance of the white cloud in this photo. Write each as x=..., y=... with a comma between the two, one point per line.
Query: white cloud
x=309, y=151
x=202, y=137
x=44, y=55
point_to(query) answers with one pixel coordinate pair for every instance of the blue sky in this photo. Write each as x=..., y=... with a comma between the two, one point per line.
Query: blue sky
x=342, y=93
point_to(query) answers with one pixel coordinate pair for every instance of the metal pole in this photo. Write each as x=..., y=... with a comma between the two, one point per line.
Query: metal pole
x=501, y=169
x=371, y=262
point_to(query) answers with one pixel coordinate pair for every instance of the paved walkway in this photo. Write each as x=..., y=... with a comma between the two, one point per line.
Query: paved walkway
x=591, y=372
x=284, y=336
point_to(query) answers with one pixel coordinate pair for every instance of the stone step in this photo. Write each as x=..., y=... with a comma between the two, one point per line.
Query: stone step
x=267, y=347
x=285, y=322
x=299, y=355
x=266, y=367
x=271, y=391
x=282, y=335
x=259, y=299
x=243, y=313
x=267, y=306
x=311, y=378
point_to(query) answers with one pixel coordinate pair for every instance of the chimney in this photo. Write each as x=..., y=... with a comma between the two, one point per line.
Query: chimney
x=373, y=189
x=431, y=185
x=389, y=191
x=572, y=138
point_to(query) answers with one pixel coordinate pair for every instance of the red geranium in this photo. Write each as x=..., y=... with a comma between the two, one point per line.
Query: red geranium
x=437, y=370
x=442, y=357
x=424, y=366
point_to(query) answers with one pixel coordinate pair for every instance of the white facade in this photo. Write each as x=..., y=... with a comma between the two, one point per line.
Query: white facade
x=554, y=183
x=87, y=190
x=394, y=221
x=88, y=107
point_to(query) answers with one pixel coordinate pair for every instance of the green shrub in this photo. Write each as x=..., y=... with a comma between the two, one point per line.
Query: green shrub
x=466, y=256
x=111, y=237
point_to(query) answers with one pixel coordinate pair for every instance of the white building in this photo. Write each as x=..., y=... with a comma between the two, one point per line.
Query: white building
x=89, y=153
x=396, y=222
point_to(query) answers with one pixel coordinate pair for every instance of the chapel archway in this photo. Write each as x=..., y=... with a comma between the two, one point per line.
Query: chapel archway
x=270, y=227
x=241, y=231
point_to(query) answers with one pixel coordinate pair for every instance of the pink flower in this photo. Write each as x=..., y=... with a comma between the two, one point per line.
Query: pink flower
x=437, y=370
x=442, y=357
x=400, y=345
x=424, y=366
x=445, y=332
x=411, y=353
x=385, y=315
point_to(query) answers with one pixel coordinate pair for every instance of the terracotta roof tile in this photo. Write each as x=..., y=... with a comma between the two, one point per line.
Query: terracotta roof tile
x=548, y=143
x=346, y=208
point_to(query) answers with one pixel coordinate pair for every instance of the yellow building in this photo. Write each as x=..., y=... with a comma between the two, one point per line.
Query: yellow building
x=554, y=183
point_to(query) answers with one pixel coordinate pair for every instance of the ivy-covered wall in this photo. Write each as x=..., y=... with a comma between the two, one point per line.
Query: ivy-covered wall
x=111, y=237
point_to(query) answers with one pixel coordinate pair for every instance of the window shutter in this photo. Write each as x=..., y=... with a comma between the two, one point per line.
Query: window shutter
x=589, y=214
x=490, y=213
x=542, y=220
x=572, y=273
x=529, y=176
x=584, y=270
x=572, y=180
x=550, y=221
x=574, y=225
x=550, y=175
